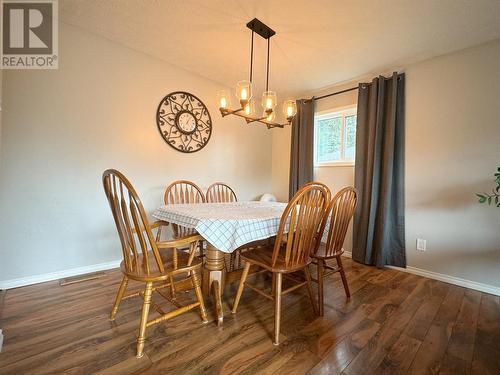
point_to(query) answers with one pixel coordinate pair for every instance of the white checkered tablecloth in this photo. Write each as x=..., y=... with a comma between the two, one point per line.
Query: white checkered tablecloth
x=227, y=226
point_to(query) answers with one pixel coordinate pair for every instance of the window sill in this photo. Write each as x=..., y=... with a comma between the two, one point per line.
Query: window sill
x=335, y=164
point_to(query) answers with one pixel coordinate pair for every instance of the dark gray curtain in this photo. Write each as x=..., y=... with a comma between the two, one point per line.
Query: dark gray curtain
x=379, y=226
x=301, y=154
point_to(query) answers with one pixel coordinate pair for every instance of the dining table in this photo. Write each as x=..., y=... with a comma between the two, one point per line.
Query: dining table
x=226, y=227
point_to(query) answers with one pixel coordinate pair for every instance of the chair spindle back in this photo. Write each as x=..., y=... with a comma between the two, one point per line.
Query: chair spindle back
x=340, y=212
x=183, y=191
x=300, y=224
x=219, y=192
x=132, y=224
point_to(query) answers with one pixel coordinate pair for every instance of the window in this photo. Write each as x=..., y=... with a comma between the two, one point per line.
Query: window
x=335, y=138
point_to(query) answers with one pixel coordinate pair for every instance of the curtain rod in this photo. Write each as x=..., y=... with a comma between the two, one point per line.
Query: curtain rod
x=347, y=90
x=332, y=94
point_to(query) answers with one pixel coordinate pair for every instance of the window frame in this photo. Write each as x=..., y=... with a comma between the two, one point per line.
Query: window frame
x=338, y=112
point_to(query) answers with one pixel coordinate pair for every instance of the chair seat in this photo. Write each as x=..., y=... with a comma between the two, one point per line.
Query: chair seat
x=167, y=260
x=263, y=257
x=321, y=253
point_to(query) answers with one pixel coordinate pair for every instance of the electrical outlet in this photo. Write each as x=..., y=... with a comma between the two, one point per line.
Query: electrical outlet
x=421, y=244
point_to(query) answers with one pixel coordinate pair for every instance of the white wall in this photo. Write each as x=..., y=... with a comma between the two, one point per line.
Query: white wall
x=1, y=81
x=452, y=151
x=63, y=128
x=1, y=106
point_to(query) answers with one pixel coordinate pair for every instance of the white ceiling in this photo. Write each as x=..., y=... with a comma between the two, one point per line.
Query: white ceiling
x=318, y=42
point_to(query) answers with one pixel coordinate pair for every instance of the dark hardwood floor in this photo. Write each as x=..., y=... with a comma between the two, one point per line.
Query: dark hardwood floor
x=394, y=323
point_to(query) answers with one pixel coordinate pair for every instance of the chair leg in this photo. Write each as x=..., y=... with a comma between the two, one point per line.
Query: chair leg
x=277, y=309
x=310, y=289
x=241, y=286
x=119, y=296
x=171, y=278
x=192, y=251
x=172, y=287
x=320, y=275
x=199, y=296
x=144, y=319
x=158, y=234
x=201, y=245
x=344, y=279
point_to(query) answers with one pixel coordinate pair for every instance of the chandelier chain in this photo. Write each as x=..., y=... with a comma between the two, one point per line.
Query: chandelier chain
x=267, y=78
x=251, y=59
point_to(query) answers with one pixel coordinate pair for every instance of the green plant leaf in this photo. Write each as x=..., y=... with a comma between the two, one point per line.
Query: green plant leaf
x=482, y=199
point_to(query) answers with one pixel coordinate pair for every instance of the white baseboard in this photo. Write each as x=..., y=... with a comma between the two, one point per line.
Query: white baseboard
x=486, y=288
x=29, y=280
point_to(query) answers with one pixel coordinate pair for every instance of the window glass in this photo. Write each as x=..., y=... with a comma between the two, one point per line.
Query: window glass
x=335, y=137
x=329, y=137
x=350, y=137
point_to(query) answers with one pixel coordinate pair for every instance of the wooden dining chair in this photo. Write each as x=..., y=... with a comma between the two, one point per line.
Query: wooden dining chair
x=299, y=225
x=219, y=192
x=147, y=260
x=336, y=220
x=181, y=192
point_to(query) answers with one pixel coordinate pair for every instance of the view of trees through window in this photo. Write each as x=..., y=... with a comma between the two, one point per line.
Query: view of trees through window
x=335, y=137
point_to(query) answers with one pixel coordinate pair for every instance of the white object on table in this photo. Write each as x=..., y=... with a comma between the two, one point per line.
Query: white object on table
x=267, y=198
x=227, y=226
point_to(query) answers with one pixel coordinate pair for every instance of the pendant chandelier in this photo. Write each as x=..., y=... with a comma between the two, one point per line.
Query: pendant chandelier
x=244, y=91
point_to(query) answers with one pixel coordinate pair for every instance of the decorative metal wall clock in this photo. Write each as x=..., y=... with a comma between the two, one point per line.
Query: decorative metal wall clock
x=184, y=121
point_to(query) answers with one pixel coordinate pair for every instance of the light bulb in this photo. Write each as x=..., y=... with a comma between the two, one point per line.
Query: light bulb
x=249, y=108
x=224, y=99
x=269, y=116
x=269, y=101
x=289, y=109
x=244, y=92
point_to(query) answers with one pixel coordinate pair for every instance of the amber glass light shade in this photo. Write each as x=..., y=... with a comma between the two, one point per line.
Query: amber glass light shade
x=224, y=99
x=269, y=116
x=289, y=109
x=269, y=101
x=244, y=92
x=249, y=108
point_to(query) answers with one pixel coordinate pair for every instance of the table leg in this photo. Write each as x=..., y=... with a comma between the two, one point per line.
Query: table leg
x=214, y=278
